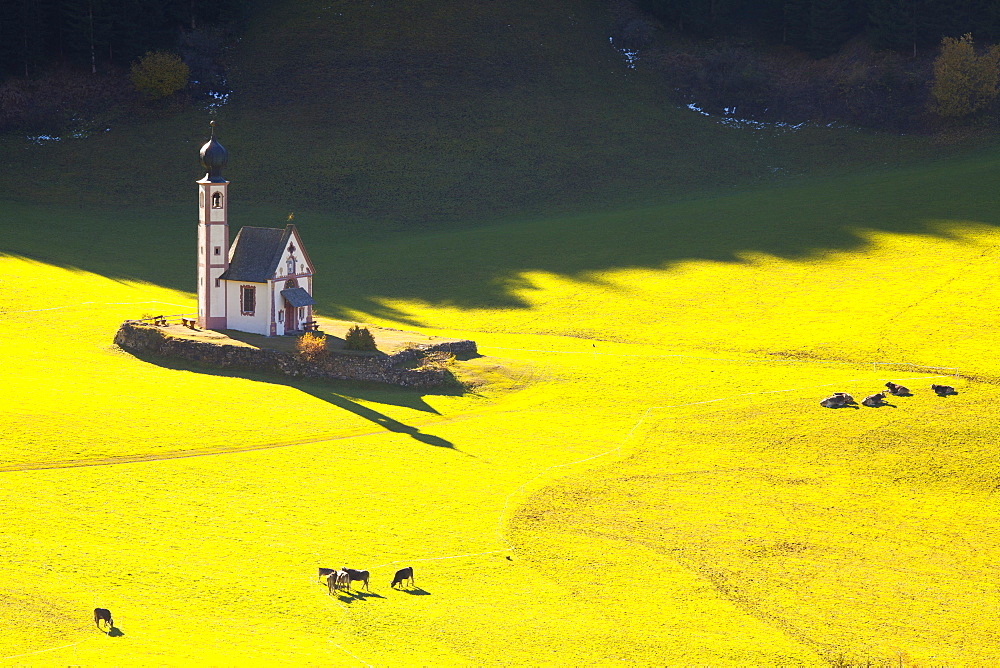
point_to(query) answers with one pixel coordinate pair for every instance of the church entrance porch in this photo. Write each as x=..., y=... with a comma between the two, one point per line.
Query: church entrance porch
x=296, y=302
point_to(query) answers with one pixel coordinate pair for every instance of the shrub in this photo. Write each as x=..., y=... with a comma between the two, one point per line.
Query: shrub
x=964, y=82
x=310, y=346
x=159, y=74
x=359, y=338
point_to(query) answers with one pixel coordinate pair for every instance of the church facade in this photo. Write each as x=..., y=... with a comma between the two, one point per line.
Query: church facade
x=263, y=283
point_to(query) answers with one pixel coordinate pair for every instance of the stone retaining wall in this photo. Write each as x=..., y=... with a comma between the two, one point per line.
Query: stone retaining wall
x=142, y=338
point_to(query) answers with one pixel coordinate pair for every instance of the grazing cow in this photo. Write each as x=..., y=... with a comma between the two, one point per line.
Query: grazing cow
x=354, y=575
x=402, y=575
x=103, y=615
x=874, y=400
x=337, y=580
x=943, y=390
x=324, y=572
x=897, y=390
x=331, y=582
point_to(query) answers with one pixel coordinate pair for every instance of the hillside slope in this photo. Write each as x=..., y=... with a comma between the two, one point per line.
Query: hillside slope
x=391, y=114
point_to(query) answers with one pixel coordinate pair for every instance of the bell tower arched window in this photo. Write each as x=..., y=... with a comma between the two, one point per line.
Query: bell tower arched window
x=216, y=200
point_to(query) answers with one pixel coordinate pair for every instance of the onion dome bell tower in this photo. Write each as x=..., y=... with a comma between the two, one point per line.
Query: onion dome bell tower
x=213, y=235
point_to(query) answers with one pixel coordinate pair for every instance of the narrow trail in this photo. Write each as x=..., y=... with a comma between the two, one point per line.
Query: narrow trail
x=212, y=450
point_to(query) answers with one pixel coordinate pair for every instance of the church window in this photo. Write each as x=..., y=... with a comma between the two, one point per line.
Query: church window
x=201, y=200
x=291, y=265
x=218, y=250
x=248, y=299
x=281, y=316
x=216, y=200
x=218, y=282
x=302, y=312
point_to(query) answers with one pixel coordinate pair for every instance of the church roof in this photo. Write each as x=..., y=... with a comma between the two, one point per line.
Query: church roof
x=256, y=253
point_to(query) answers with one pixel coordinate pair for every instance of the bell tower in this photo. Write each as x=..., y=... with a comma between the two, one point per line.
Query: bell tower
x=213, y=235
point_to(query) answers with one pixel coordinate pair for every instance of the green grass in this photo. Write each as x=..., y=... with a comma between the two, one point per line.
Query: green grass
x=618, y=263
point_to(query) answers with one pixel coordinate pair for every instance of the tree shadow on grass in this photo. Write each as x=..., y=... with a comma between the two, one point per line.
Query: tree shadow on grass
x=336, y=393
x=478, y=263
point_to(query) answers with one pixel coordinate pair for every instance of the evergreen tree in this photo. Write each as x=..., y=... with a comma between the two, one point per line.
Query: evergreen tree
x=831, y=23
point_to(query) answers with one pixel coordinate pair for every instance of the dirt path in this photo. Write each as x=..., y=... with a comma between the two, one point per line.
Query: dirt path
x=214, y=450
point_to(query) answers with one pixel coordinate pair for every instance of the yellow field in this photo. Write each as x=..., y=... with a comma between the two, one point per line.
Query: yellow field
x=715, y=515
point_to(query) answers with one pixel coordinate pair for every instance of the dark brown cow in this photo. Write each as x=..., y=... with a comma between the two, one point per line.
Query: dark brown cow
x=402, y=575
x=836, y=401
x=943, y=390
x=897, y=390
x=103, y=615
x=357, y=576
x=874, y=400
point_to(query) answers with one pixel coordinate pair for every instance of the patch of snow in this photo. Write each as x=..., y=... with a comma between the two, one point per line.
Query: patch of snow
x=730, y=119
x=218, y=98
x=631, y=55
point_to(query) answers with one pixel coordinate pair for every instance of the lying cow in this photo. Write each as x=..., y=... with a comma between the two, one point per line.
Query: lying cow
x=874, y=400
x=836, y=401
x=402, y=575
x=897, y=390
x=943, y=390
x=103, y=615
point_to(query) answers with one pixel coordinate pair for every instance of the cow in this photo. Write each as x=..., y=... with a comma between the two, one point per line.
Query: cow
x=337, y=580
x=103, y=615
x=897, y=390
x=402, y=575
x=837, y=400
x=874, y=400
x=355, y=575
x=324, y=572
x=943, y=390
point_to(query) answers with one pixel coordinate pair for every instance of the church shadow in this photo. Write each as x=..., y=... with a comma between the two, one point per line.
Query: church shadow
x=336, y=393
x=384, y=421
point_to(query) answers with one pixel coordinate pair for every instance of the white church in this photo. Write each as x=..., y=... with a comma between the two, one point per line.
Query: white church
x=263, y=283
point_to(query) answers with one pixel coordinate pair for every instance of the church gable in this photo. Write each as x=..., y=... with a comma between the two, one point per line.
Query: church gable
x=293, y=261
